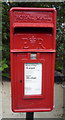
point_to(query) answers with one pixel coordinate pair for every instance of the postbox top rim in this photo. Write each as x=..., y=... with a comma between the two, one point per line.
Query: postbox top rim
x=32, y=9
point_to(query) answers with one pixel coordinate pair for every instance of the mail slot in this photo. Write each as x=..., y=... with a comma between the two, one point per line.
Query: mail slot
x=32, y=53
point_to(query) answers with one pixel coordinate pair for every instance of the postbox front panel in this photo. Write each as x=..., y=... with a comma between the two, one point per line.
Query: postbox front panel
x=32, y=92
x=32, y=48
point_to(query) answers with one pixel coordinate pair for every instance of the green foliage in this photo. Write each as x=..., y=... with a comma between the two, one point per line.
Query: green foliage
x=60, y=7
x=3, y=65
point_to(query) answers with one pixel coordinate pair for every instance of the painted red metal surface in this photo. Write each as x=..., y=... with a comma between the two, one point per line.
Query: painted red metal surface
x=32, y=30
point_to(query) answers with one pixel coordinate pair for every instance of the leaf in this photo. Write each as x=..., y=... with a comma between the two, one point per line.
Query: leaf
x=3, y=64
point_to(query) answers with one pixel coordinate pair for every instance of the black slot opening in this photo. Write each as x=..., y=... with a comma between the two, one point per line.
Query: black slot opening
x=32, y=30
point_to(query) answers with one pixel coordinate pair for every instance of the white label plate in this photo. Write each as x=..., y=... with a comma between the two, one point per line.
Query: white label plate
x=32, y=78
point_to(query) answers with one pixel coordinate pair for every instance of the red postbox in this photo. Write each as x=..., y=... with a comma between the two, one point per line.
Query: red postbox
x=32, y=50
